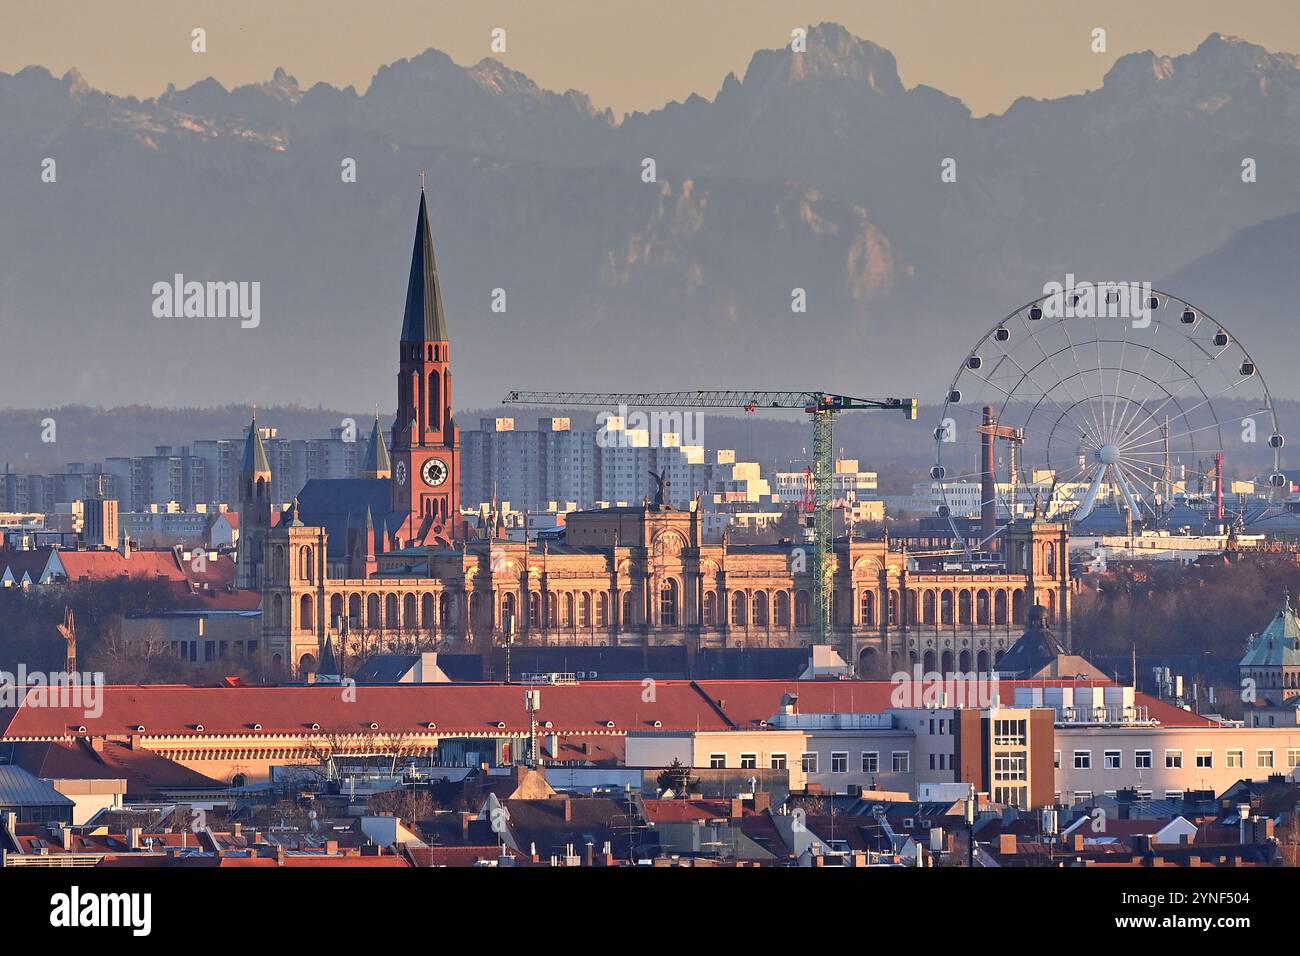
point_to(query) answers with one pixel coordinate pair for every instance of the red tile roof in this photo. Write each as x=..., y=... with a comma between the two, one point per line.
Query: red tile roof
x=591, y=709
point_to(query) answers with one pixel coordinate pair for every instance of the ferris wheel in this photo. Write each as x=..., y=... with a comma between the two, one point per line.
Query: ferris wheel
x=1112, y=402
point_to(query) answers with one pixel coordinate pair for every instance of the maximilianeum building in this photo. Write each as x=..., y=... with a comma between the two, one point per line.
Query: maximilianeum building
x=387, y=558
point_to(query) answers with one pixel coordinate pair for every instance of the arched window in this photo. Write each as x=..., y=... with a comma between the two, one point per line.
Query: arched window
x=1000, y=607
x=710, y=612
x=893, y=606
x=981, y=610
x=354, y=611
x=945, y=607
x=801, y=609
x=760, y=608
x=1018, y=606
x=508, y=611
x=668, y=604
x=1051, y=607
x=277, y=611
x=426, y=611
x=628, y=616
x=390, y=612
x=408, y=613
x=963, y=607
x=553, y=609
x=372, y=613
x=781, y=609
x=534, y=610
x=602, y=609
x=305, y=569
x=739, y=609
x=336, y=609
x=913, y=599
x=584, y=610
x=1049, y=555
x=435, y=402
x=305, y=621
x=447, y=611
x=868, y=608
x=568, y=610
x=927, y=604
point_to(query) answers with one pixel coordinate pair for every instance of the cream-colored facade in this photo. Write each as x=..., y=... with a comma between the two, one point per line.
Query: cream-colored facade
x=1163, y=761
x=643, y=575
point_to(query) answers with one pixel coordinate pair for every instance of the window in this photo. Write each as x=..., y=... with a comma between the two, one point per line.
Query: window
x=1083, y=760
x=1009, y=733
x=1173, y=759
x=749, y=761
x=717, y=761
x=871, y=761
x=810, y=762
x=1236, y=759
x=1173, y=794
x=1142, y=759
x=1204, y=758
x=1293, y=758
x=1111, y=760
x=1010, y=767
x=1056, y=759
x=1264, y=759
x=902, y=761
x=778, y=761
x=839, y=761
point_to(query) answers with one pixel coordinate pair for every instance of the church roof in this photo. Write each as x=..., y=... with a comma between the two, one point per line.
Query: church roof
x=377, y=460
x=255, y=459
x=1278, y=644
x=331, y=503
x=424, y=320
x=1036, y=649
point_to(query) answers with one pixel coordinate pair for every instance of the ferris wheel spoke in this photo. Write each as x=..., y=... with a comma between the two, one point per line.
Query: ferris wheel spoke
x=1198, y=405
x=1172, y=438
x=1065, y=380
x=1155, y=384
x=1045, y=393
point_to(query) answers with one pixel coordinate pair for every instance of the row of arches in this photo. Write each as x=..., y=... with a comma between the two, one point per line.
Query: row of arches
x=592, y=609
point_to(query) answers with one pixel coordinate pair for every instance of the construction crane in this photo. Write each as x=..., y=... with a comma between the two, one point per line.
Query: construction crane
x=822, y=407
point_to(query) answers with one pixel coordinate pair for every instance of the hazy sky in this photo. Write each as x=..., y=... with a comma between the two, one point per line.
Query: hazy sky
x=628, y=54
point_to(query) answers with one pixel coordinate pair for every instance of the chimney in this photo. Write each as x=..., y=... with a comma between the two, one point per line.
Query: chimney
x=762, y=801
x=465, y=819
x=331, y=847
x=133, y=838
x=1006, y=844
x=238, y=829
x=568, y=809
x=737, y=808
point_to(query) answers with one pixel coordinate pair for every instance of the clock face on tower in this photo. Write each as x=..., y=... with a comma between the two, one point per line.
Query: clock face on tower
x=401, y=472
x=434, y=472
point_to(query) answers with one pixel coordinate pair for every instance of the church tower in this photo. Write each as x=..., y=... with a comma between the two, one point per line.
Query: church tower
x=254, y=508
x=425, y=447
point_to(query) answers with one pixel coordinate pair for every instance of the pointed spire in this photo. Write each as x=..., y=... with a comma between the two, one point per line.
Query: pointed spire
x=328, y=665
x=378, y=464
x=255, y=459
x=424, y=320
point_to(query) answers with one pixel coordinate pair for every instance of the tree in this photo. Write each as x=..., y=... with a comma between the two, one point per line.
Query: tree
x=678, y=778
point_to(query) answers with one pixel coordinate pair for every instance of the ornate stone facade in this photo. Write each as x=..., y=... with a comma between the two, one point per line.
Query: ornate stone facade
x=388, y=566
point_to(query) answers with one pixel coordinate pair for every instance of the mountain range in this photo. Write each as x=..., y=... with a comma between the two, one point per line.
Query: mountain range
x=818, y=171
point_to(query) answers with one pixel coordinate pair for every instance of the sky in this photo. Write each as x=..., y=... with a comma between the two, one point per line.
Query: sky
x=628, y=55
